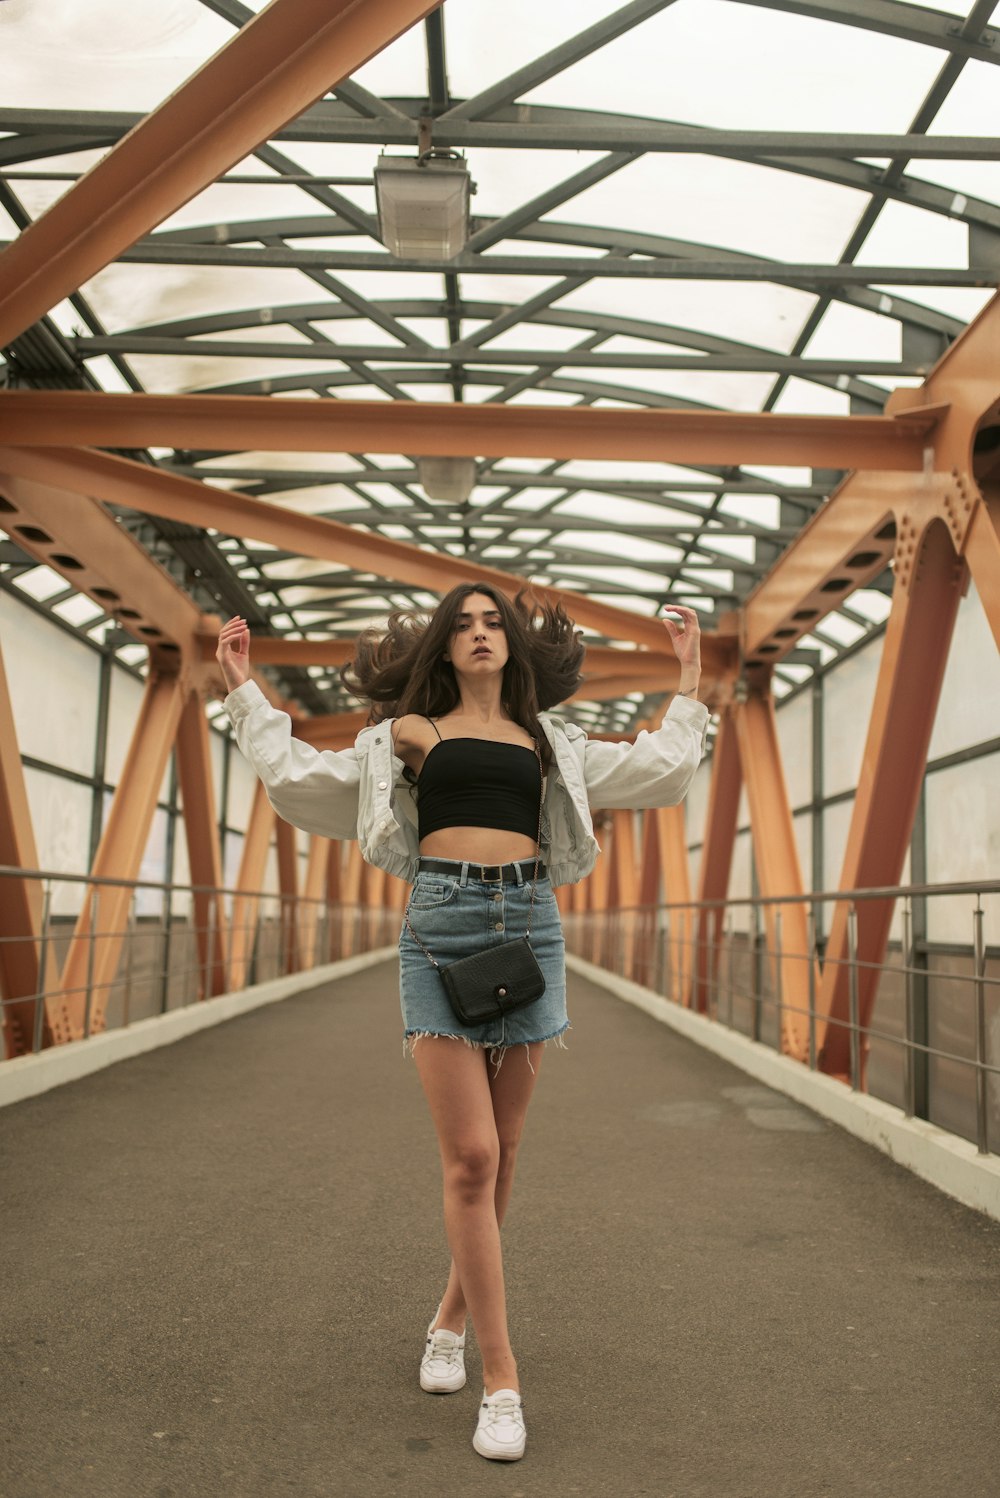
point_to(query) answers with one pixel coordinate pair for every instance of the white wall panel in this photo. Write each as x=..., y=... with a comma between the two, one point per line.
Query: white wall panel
x=794, y=720
x=696, y=801
x=963, y=843
x=836, y=821
x=153, y=867
x=739, y=880
x=217, y=751
x=54, y=687
x=242, y=787
x=802, y=827
x=60, y=815
x=181, y=902
x=231, y=860
x=848, y=694
x=123, y=714
x=969, y=706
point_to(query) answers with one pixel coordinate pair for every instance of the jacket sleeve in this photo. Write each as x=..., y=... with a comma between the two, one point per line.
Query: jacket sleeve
x=654, y=771
x=314, y=789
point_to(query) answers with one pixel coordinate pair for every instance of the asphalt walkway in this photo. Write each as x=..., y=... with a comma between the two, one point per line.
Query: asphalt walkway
x=220, y=1260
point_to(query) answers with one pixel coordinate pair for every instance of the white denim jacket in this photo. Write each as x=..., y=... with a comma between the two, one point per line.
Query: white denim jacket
x=361, y=792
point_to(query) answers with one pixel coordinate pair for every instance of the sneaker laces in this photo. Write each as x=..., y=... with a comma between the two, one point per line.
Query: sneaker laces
x=441, y=1352
x=502, y=1407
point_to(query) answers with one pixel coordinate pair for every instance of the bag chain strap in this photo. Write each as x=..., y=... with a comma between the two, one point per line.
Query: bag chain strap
x=534, y=877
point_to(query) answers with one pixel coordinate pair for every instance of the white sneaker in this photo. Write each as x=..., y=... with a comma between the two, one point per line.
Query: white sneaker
x=442, y=1367
x=500, y=1434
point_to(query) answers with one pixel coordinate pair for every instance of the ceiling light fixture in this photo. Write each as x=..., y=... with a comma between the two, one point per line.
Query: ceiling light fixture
x=448, y=479
x=423, y=204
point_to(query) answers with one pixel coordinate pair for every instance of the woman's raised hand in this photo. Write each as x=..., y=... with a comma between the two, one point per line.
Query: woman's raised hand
x=685, y=637
x=233, y=653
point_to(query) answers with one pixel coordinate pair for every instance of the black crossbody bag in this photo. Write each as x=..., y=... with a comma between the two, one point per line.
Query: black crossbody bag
x=500, y=979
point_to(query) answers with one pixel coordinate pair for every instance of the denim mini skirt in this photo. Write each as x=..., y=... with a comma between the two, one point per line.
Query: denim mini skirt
x=455, y=915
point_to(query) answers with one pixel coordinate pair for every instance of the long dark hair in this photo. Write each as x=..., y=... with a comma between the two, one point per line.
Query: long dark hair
x=402, y=669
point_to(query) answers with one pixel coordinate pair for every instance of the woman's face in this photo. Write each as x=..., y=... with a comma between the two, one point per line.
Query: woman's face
x=478, y=644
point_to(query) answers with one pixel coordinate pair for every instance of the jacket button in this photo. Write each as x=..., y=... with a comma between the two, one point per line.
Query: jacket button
x=383, y=785
x=379, y=739
x=498, y=926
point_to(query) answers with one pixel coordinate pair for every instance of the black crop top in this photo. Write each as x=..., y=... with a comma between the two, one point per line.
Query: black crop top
x=479, y=783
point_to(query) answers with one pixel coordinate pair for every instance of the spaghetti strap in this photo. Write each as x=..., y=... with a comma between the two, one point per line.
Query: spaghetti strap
x=435, y=728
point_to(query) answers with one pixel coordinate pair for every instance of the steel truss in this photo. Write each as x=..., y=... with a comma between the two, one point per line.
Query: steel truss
x=921, y=504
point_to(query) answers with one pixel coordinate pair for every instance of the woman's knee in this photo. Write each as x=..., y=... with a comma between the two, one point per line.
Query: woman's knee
x=508, y=1145
x=472, y=1165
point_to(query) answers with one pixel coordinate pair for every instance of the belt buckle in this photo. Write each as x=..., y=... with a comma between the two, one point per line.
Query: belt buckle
x=488, y=877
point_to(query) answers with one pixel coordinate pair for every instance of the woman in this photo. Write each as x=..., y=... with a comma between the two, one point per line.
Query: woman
x=468, y=789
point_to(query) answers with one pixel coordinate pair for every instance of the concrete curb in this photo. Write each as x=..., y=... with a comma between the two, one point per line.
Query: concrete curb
x=27, y=1076
x=951, y=1164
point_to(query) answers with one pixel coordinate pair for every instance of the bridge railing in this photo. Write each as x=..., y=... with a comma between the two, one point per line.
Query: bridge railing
x=105, y=953
x=919, y=1029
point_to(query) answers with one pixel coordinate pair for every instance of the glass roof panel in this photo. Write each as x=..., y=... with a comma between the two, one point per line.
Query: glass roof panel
x=706, y=63
x=66, y=56
x=769, y=70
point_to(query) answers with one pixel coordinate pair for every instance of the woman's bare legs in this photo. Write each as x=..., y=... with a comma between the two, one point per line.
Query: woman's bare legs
x=478, y=1117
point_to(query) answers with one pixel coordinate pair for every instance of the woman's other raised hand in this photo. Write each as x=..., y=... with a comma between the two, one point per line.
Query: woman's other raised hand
x=685, y=637
x=233, y=653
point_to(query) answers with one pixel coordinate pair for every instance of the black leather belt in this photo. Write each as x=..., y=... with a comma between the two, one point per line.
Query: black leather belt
x=486, y=873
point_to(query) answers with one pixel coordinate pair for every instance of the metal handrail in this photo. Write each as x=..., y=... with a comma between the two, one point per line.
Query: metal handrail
x=673, y=949
x=167, y=956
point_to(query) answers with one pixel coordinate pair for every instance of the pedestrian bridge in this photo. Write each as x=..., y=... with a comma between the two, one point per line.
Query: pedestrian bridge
x=221, y=1256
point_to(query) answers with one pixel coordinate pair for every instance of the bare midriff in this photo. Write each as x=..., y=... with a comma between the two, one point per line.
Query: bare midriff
x=478, y=845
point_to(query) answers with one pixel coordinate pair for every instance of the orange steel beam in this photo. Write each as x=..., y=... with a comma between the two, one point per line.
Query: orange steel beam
x=716, y=856
x=624, y=885
x=334, y=883
x=609, y=672
x=352, y=878
x=672, y=843
x=777, y=861
x=253, y=863
x=284, y=59
x=78, y=538
x=316, y=882
x=269, y=652
x=120, y=481
x=92, y=956
x=982, y=552
x=875, y=517
x=329, y=730
x=194, y=773
x=914, y=657
x=648, y=899
x=20, y=899
x=34, y=418
x=288, y=884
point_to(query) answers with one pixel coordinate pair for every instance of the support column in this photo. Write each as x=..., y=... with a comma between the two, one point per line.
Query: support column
x=982, y=552
x=625, y=885
x=672, y=840
x=599, y=891
x=317, y=878
x=194, y=772
x=716, y=857
x=253, y=862
x=92, y=957
x=20, y=899
x=288, y=884
x=914, y=656
x=351, y=885
x=777, y=861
